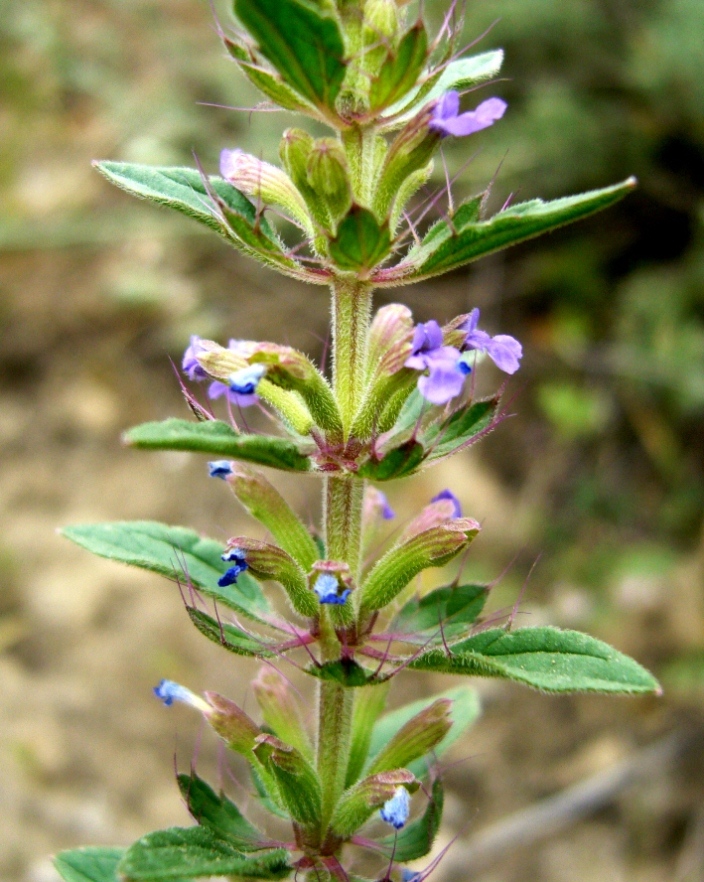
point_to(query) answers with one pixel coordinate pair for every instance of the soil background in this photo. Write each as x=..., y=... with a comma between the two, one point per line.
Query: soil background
x=597, y=476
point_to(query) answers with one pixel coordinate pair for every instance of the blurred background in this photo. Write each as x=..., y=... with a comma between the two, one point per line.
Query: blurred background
x=598, y=476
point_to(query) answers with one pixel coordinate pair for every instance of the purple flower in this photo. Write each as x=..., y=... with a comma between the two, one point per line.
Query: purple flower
x=236, y=557
x=190, y=365
x=448, y=494
x=220, y=468
x=395, y=811
x=327, y=588
x=447, y=120
x=503, y=350
x=193, y=370
x=445, y=376
x=387, y=513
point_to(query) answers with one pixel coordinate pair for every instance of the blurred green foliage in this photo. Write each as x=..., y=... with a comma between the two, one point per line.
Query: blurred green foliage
x=611, y=311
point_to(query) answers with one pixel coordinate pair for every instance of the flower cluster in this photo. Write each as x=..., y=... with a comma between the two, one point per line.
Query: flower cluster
x=444, y=368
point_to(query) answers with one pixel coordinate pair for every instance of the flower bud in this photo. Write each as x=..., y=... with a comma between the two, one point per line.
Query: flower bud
x=280, y=710
x=411, y=151
x=328, y=175
x=416, y=738
x=264, y=182
x=297, y=781
x=264, y=502
x=267, y=561
x=295, y=149
x=232, y=723
x=433, y=547
x=440, y=511
x=379, y=33
x=390, y=337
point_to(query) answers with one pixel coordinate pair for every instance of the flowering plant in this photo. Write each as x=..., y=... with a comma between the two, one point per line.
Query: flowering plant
x=398, y=401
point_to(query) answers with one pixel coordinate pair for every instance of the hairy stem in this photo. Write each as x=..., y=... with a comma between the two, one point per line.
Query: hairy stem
x=351, y=317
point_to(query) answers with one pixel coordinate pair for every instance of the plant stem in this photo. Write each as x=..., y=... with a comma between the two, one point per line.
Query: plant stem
x=343, y=497
x=343, y=520
x=351, y=317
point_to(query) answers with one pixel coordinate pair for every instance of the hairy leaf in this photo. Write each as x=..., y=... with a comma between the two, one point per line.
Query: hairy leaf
x=361, y=241
x=175, y=552
x=302, y=42
x=401, y=68
x=461, y=429
x=445, y=612
x=229, y=636
x=544, y=658
x=93, y=864
x=459, y=74
x=190, y=852
x=397, y=463
x=217, y=438
x=219, y=814
x=447, y=247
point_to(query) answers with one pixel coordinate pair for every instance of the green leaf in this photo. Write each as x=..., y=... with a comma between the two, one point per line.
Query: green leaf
x=463, y=428
x=401, y=69
x=345, y=671
x=275, y=89
x=368, y=708
x=219, y=205
x=545, y=658
x=229, y=636
x=302, y=42
x=190, y=852
x=181, y=189
x=446, y=612
x=93, y=864
x=416, y=839
x=397, y=463
x=447, y=247
x=361, y=241
x=464, y=713
x=217, y=438
x=219, y=814
x=174, y=552
x=458, y=75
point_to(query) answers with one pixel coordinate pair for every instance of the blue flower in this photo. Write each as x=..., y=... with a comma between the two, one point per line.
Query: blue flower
x=409, y=875
x=503, y=350
x=447, y=119
x=395, y=811
x=246, y=380
x=448, y=494
x=327, y=588
x=220, y=468
x=169, y=692
x=445, y=376
x=236, y=557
